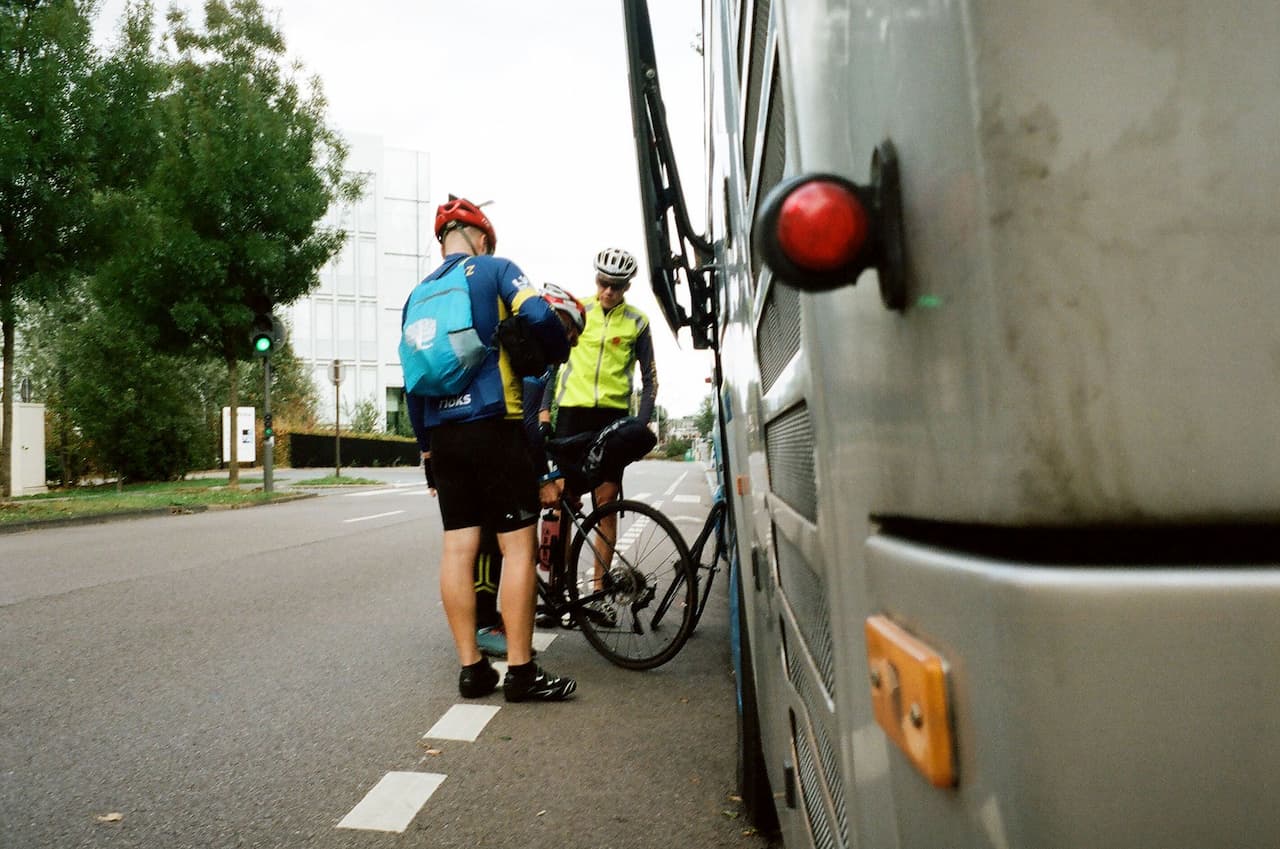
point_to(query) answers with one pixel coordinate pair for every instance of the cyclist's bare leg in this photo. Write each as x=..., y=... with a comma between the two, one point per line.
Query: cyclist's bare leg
x=458, y=592
x=605, y=493
x=516, y=590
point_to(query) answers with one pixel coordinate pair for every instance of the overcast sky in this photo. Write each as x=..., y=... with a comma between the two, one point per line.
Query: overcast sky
x=524, y=103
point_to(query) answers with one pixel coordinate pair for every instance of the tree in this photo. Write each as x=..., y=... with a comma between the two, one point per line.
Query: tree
x=705, y=419
x=227, y=224
x=46, y=59
x=146, y=417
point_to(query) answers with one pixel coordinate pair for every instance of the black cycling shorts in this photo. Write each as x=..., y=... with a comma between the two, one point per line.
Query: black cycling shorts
x=484, y=475
x=571, y=421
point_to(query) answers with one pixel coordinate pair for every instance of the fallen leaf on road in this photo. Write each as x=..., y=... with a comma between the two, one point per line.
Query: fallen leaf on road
x=733, y=797
x=733, y=815
x=539, y=813
x=111, y=817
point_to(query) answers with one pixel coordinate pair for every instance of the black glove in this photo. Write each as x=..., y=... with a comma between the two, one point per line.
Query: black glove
x=426, y=468
x=546, y=430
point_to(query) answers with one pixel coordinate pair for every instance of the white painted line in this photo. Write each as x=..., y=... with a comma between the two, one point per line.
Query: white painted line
x=641, y=497
x=688, y=499
x=501, y=666
x=374, y=516
x=542, y=640
x=462, y=722
x=673, y=486
x=368, y=492
x=393, y=802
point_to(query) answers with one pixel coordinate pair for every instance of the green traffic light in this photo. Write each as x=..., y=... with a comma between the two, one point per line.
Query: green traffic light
x=262, y=344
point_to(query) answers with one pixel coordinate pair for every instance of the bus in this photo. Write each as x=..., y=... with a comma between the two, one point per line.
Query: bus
x=993, y=296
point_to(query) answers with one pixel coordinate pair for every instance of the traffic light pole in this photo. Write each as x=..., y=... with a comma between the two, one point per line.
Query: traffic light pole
x=268, y=430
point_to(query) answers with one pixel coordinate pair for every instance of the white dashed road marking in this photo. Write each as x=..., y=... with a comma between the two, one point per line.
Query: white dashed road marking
x=374, y=516
x=462, y=722
x=395, y=487
x=393, y=802
x=688, y=499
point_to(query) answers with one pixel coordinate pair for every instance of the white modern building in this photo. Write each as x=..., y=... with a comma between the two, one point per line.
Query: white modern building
x=353, y=316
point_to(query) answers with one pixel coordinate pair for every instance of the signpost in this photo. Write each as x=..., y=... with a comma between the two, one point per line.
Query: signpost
x=335, y=377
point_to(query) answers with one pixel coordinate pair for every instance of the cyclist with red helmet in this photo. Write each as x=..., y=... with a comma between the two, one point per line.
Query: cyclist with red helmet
x=479, y=460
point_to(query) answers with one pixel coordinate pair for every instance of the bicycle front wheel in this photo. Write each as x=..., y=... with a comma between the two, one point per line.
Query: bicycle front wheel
x=626, y=558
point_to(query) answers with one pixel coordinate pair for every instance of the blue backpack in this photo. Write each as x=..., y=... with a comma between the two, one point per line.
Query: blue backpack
x=440, y=350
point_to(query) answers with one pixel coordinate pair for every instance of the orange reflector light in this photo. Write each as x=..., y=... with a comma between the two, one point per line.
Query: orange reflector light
x=822, y=226
x=909, y=695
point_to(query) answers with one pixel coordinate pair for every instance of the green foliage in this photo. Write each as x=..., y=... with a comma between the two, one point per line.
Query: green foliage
x=675, y=448
x=46, y=60
x=227, y=223
x=139, y=415
x=705, y=419
x=90, y=366
x=398, y=420
x=364, y=418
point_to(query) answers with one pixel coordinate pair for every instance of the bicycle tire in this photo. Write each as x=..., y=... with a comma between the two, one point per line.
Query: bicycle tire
x=651, y=557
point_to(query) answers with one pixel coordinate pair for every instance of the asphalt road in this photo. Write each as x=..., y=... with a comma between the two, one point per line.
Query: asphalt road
x=255, y=678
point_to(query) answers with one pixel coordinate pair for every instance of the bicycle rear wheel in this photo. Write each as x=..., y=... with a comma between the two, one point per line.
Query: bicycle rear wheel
x=649, y=558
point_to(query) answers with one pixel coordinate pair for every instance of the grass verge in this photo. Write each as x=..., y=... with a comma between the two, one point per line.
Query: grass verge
x=100, y=501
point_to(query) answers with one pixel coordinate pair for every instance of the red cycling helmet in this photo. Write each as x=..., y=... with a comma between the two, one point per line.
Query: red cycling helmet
x=459, y=211
x=565, y=302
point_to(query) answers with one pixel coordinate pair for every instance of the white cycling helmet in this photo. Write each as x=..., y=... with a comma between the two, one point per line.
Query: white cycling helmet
x=566, y=303
x=616, y=263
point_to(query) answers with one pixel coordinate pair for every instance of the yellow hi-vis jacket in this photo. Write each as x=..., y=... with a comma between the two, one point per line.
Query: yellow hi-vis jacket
x=600, y=366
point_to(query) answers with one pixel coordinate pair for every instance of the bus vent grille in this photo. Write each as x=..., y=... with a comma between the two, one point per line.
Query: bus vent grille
x=817, y=711
x=808, y=599
x=773, y=159
x=755, y=75
x=810, y=790
x=789, y=451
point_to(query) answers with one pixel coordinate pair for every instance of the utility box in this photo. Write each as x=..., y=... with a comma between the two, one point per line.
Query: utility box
x=26, y=463
x=246, y=450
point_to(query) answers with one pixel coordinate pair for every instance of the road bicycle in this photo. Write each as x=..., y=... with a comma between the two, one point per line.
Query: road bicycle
x=713, y=531
x=608, y=585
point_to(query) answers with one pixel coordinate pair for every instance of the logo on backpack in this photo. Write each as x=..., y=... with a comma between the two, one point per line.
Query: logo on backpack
x=440, y=350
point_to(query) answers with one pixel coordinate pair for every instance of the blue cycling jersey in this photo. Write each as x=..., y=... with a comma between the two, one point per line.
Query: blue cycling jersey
x=498, y=289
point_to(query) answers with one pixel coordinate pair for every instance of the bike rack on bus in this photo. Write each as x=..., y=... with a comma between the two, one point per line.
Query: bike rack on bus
x=689, y=254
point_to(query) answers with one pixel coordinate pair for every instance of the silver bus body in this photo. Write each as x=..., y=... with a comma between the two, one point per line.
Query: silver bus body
x=1057, y=466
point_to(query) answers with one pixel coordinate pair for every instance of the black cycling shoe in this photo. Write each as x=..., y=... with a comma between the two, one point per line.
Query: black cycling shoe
x=478, y=680
x=540, y=688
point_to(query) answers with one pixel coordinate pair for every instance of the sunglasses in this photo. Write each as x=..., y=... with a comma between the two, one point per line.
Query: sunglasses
x=617, y=286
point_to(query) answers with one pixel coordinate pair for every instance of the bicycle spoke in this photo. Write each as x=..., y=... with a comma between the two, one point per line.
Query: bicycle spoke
x=619, y=608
